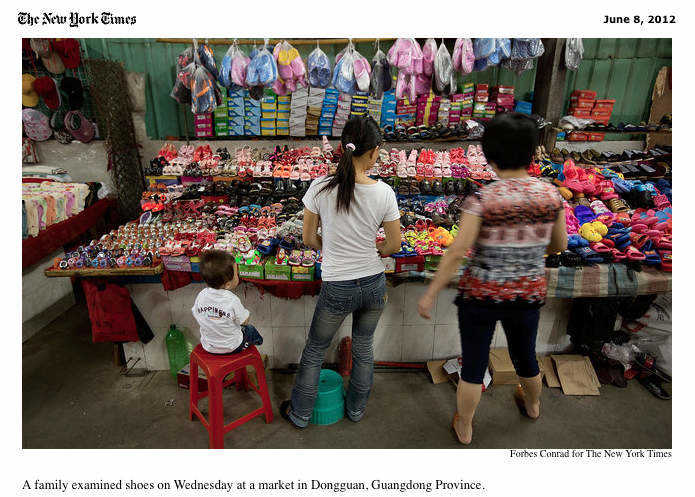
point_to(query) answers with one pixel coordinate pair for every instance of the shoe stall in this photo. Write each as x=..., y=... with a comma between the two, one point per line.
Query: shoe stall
x=266, y=121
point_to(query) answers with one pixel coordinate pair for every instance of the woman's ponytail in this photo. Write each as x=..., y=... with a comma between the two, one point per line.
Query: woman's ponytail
x=360, y=135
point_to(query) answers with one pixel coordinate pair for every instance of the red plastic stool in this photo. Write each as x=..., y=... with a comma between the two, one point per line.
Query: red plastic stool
x=216, y=368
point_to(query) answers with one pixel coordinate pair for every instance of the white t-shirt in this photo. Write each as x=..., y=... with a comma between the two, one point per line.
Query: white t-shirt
x=349, y=239
x=220, y=314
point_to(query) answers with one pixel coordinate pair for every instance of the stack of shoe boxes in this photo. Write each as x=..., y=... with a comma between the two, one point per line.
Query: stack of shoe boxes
x=313, y=113
x=300, y=99
x=405, y=112
x=220, y=119
x=283, y=115
x=374, y=108
x=467, y=97
x=202, y=124
x=443, y=114
x=342, y=113
x=503, y=98
x=482, y=107
x=252, y=115
x=330, y=104
x=388, y=109
x=269, y=112
x=359, y=103
x=427, y=109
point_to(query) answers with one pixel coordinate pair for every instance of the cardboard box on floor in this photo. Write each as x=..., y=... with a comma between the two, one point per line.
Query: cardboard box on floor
x=502, y=368
x=448, y=370
x=576, y=375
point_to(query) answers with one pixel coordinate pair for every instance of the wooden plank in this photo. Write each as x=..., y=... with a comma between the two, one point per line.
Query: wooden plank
x=272, y=41
x=102, y=273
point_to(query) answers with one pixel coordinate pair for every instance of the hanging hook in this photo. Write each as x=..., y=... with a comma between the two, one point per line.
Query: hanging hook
x=317, y=43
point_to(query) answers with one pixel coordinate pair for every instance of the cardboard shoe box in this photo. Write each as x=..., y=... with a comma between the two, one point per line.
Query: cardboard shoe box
x=278, y=272
x=502, y=368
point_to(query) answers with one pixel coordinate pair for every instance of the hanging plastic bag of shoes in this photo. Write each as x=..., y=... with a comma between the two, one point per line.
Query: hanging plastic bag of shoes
x=429, y=51
x=344, y=71
x=181, y=91
x=574, y=51
x=463, y=57
x=319, y=68
x=443, y=69
x=262, y=69
x=207, y=58
x=225, y=74
x=203, y=87
x=483, y=47
x=203, y=98
x=362, y=72
x=524, y=50
x=381, y=75
x=239, y=64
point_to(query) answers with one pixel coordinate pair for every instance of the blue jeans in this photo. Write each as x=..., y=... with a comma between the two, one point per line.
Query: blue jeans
x=364, y=298
x=251, y=337
x=477, y=326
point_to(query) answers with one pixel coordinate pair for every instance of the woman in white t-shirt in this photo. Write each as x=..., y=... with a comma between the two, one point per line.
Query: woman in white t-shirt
x=350, y=208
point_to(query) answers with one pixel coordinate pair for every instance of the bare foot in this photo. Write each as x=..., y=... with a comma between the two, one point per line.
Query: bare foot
x=533, y=410
x=464, y=431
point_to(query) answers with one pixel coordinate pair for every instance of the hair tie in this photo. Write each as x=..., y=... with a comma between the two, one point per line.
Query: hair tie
x=351, y=146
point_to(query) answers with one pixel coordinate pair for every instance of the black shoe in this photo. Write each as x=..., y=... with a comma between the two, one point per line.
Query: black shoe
x=290, y=188
x=285, y=413
x=653, y=384
x=279, y=188
x=437, y=187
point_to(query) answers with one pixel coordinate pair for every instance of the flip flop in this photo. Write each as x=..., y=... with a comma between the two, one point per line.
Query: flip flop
x=285, y=414
x=633, y=254
x=588, y=255
x=453, y=427
x=651, y=258
x=666, y=260
x=519, y=400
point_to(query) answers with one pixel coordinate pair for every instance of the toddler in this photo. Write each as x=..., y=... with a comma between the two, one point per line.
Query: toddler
x=223, y=321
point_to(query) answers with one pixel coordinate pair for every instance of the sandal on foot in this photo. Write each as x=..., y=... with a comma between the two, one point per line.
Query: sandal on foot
x=285, y=414
x=520, y=403
x=453, y=427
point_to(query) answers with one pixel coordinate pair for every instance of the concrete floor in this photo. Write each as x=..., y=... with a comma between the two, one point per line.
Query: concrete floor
x=73, y=397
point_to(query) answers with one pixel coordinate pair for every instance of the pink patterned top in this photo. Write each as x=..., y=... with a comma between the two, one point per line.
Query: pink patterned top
x=507, y=266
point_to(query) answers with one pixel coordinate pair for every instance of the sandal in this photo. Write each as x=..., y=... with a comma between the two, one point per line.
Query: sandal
x=520, y=403
x=453, y=427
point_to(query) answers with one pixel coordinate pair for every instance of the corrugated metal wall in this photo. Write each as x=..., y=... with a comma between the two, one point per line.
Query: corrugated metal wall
x=623, y=69
x=617, y=68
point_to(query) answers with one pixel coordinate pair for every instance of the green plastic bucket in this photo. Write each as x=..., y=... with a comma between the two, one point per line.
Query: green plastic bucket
x=330, y=401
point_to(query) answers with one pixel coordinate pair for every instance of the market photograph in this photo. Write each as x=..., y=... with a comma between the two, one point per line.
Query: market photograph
x=346, y=243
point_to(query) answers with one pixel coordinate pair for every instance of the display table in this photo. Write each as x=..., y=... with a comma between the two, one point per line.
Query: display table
x=402, y=335
x=54, y=237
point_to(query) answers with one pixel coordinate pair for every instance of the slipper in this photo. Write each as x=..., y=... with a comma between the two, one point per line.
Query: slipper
x=519, y=401
x=588, y=255
x=575, y=241
x=639, y=240
x=453, y=427
x=653, y=385
x=619, y=239
x=666, y=260
x=599, y=247
x=633, y=254
x=617, y=255
x=285, y=414
x=652, y=258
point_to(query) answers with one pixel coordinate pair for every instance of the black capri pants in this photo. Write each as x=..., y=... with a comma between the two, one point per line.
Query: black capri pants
x=477, y=327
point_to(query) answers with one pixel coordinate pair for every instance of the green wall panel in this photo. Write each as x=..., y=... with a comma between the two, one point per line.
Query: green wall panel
x=620, y=68
x=624, y=69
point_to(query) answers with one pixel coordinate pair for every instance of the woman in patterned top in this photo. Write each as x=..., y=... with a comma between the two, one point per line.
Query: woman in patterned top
x=510, y=224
